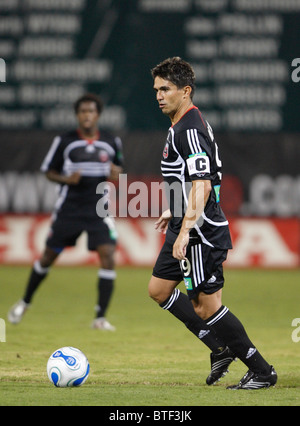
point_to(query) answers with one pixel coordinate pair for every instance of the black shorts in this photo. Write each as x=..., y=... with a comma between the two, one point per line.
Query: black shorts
x=65, y=230
x=201, y=272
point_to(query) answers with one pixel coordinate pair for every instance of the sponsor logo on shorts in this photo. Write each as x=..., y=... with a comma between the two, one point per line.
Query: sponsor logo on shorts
x=188, y=283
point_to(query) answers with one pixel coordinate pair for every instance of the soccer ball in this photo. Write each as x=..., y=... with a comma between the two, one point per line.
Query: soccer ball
x=68, y=367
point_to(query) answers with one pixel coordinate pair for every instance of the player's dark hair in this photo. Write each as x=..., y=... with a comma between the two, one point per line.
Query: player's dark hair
x=176, y=70
x=89, y=97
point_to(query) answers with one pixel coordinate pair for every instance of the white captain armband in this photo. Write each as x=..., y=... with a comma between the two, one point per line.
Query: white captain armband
x=198, y=164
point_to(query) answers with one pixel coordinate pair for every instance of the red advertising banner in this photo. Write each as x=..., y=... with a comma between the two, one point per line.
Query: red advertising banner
x=265, y=243
x=270, y=243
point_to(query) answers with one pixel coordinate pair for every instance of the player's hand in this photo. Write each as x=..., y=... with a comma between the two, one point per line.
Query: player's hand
x=180, y=245
x=73, y=179
x=161, y=225
x=114, y=171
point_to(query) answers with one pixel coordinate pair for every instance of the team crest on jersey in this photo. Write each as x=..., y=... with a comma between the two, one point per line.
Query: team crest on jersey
x=103, y=156
x=166, y=151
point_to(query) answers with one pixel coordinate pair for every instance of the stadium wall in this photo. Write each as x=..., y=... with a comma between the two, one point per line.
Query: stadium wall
x=258, y=242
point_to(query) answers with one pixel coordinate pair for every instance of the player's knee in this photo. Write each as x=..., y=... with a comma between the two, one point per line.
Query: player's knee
x=206, y=305
x=48, y=257
x=156, y=294
x=153, y=294
x=108, y=263
x=160, y=290
x=202, y=311
x=107, y=256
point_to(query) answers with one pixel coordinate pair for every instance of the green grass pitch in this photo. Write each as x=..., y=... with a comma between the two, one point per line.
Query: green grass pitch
x=151, y=360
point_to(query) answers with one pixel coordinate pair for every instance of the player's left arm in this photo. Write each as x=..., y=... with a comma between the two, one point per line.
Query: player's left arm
x=116, y=166
x=196, y=154
x=197, y=200
x=115, y=171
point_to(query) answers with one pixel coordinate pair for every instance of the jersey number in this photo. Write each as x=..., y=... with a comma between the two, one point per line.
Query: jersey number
x=185, y=267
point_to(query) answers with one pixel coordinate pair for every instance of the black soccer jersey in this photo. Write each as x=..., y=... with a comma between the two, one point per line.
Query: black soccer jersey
x=70, y=153
x=191, y=153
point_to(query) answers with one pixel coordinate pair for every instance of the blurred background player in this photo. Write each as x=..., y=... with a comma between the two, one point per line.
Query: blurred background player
x=78, y=161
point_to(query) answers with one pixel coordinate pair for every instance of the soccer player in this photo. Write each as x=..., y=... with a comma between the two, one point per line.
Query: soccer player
x=78, y=161
x=197, y=232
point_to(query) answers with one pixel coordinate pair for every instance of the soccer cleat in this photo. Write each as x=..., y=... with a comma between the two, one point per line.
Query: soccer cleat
x=102, y=324
x=17, y=312
x=219, y=365
x=256, y=381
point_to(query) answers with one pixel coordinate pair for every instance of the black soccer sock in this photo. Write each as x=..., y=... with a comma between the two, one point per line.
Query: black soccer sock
x=229, y=328
x=38, y=274
x=105, y=290
x=179, y=305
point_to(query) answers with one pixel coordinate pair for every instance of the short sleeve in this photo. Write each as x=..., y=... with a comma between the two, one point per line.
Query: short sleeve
x=192, y=147
x=54, y=159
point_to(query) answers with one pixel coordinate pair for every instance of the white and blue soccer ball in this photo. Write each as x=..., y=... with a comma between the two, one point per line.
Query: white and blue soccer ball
x=68, y=367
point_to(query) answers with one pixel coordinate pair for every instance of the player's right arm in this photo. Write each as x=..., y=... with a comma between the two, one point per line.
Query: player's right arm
x=53, y=164
x=161, y=225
